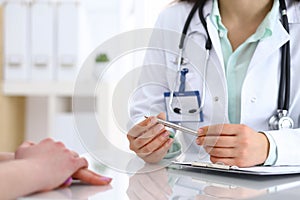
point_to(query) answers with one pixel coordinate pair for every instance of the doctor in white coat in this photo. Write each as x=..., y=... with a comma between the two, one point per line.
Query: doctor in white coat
x=247, y=36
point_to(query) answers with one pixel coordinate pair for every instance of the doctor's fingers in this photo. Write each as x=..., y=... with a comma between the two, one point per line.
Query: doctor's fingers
x=228, y=161
x=218, y=141
x=161, y=116
x=154, y=144
x=222, y=129
x=221, y=152
x=142, y=127
x=159, y=153
x=154, y=133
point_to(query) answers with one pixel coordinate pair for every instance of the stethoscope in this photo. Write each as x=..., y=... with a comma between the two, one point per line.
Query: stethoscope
x=280, y=120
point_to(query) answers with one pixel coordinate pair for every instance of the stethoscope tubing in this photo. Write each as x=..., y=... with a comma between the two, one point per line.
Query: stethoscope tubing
x=284, y=85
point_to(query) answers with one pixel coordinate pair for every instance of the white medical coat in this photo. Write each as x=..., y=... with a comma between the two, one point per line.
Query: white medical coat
x=260, y=87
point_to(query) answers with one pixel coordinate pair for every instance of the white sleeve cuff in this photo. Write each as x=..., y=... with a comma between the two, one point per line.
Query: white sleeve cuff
x=272, y=157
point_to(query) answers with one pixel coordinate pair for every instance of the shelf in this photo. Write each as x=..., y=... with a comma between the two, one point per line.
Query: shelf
x=37, y=88
x=44, y=88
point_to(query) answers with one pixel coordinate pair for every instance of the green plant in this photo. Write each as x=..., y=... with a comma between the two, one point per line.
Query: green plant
x=102, y=57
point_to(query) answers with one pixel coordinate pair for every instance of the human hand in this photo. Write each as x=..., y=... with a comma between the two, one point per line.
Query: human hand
x=150, y=140
x=6, y=156
x=87, y=176
x=234, y=144
x=52, y=164
x=149, y=185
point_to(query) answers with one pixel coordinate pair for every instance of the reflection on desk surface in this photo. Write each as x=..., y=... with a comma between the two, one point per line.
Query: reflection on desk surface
x=167, y=183
x=229, y=186
x=76, y=191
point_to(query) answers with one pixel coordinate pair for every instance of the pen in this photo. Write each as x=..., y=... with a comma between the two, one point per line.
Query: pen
x=177, y=127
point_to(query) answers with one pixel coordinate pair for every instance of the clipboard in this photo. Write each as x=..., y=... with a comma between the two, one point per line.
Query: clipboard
x=257, y=170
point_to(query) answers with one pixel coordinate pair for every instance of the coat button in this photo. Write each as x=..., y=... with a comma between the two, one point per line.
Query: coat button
x=253, y=99
x=221, y=34
x=216, y=99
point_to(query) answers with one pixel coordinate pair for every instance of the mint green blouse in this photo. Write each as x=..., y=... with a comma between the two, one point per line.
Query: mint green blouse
x=236, y=62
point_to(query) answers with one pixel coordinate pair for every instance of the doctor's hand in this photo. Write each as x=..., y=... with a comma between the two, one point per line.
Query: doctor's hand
x=234, y=144
x=150, y=140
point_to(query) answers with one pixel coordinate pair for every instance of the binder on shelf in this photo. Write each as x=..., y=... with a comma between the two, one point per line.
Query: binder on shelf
x=16, y=40
x=42, y=39
x=67, y=40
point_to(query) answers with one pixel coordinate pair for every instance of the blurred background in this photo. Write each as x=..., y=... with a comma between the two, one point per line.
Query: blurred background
x=42, y=47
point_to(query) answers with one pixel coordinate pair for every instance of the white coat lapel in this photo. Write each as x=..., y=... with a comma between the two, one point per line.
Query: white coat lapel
x=216, y=43
x=268, y=46
x=196, y=27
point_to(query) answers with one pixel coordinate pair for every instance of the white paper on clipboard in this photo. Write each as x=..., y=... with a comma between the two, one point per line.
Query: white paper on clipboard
x=257, y=170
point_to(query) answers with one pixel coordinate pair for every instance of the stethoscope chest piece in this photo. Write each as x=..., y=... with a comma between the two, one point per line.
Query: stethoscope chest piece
x=281, y=121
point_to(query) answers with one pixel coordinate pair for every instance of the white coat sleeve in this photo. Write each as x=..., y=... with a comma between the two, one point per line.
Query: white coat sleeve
x=287, y=143
x=158, y=73
x=272, y=157
x=149, y=96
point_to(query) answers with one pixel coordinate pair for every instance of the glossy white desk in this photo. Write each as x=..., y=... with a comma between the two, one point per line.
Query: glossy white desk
x=179, y=184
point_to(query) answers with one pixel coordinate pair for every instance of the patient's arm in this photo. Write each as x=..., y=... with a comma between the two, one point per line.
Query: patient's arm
x=4, y=156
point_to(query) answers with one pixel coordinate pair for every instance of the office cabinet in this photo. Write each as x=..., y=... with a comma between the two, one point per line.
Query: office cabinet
x=67, y=40
x=47, y=41
x=16, y=40
x=12, y=110
x=42, y=40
